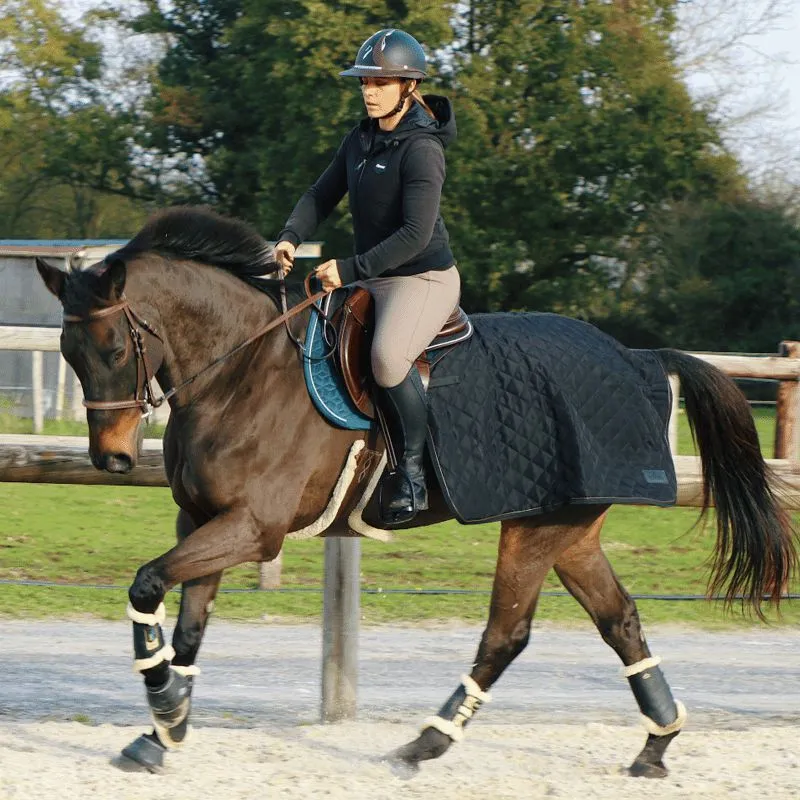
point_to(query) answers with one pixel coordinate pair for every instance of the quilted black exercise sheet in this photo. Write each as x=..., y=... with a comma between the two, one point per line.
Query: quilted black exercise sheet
x=537, y=411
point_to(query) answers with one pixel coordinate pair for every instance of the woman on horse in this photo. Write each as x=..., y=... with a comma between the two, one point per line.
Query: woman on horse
x=392, y=166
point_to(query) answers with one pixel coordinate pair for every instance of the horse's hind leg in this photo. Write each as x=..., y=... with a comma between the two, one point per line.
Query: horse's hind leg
x=586, y=573
x=173, y=696
x=528, y=549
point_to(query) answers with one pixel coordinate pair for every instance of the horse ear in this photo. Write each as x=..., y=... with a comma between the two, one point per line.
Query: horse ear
x=112, y=280
x=54, y=278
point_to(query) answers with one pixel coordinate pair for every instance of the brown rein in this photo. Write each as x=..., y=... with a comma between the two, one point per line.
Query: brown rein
x=148, y=402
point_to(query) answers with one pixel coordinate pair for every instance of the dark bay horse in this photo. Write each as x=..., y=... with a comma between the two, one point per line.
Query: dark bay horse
x=249, y=459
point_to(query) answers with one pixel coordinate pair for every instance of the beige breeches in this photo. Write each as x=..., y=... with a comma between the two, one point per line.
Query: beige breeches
x=409, y=312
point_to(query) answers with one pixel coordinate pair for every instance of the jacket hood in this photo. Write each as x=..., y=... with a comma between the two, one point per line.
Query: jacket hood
x=415, y=121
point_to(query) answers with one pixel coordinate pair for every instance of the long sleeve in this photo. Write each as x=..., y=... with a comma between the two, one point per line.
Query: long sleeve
x=318, y=201
x=422, y=180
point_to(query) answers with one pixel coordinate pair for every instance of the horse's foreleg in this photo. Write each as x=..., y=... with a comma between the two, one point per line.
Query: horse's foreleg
x=197, y=603
x=585, y=572
x=527, y=552
x=170, y=702
x=197, y=561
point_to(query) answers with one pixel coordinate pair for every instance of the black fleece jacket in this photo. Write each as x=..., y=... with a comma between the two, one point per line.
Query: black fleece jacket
x=394, y=181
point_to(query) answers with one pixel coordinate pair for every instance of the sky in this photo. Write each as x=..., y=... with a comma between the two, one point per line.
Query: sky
x=761, y=73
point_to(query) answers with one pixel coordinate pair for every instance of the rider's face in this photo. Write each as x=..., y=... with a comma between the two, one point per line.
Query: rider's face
x=381, y=95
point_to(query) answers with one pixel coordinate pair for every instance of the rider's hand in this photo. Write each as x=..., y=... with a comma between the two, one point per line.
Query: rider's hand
x=284, y=255
x=328, y=275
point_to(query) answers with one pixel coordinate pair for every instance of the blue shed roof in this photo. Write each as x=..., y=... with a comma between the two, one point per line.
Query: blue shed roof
x=59, y=242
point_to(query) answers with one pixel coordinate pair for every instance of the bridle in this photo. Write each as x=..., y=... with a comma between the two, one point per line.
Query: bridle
x=147, y=402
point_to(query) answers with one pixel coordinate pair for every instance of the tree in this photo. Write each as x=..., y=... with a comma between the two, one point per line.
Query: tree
x=719, y=276
x=59, y=143
x=719, y=47
x=251, y=89
x=577, y=129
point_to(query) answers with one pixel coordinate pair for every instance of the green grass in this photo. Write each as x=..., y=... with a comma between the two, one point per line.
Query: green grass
x=764, y=418
x=9, y=423
x=99, y=535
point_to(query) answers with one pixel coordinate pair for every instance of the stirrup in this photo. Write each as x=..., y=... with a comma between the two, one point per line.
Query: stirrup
x=417, y=498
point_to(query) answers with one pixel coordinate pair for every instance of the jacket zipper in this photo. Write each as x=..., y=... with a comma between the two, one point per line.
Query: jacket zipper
x=361, y=167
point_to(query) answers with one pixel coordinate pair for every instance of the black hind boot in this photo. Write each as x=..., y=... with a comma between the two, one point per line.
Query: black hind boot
x=402, y=491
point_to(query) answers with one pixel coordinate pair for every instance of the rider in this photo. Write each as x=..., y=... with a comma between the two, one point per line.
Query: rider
x=392, y=166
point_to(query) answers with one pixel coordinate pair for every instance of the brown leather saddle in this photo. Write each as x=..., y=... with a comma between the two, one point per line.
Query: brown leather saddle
x=354, y=323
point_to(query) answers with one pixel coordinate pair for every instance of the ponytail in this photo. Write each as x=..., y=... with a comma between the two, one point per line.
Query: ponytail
x=418, y=97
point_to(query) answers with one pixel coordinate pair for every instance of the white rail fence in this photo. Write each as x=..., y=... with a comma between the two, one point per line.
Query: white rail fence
x=39, y=340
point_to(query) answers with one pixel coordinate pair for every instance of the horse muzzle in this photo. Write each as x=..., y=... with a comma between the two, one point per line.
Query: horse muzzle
x=118, y=463
x=115, y=447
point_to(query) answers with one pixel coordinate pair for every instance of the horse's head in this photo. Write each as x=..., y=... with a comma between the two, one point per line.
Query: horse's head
x=102, y=339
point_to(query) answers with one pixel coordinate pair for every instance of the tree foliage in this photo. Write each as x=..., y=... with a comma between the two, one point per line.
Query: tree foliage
x=718, y=276
x=579, y=131
x=61, y=147
x=252, y=89
x=574, y=126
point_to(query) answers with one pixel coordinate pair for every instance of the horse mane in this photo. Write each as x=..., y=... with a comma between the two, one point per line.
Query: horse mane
x=198, y=233
x=195, y=233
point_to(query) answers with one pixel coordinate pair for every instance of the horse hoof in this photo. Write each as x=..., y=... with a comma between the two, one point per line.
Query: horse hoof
x=644, y=769
x=144, y=753
x=431, y=743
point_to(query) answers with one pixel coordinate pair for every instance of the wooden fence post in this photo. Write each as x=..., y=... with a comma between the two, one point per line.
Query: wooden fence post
x=37, y=390
x=675, y=388
x=269, y=573
x=77, y=397
x=340, y=622
x=61, y=387
x=787, y=414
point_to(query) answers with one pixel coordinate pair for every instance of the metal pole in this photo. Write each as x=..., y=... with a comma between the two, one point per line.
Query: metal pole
x=340, y=622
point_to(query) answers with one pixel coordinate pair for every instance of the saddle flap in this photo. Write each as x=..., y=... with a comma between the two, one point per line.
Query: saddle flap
x=355, y=322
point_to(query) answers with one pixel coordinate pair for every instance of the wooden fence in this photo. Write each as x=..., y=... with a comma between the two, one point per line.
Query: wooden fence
x=64, y=459
x=40, y=340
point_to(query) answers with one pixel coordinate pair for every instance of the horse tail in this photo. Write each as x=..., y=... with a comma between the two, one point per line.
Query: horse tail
x=755, y=555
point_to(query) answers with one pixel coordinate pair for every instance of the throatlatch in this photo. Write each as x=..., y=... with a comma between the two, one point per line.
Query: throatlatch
x=454, y=715
x=662, y=715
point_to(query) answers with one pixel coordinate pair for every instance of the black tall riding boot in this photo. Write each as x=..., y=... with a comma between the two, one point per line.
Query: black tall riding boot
x=403, y=492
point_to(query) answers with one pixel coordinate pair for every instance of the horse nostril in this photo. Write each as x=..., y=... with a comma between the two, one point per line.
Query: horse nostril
x=118, y=462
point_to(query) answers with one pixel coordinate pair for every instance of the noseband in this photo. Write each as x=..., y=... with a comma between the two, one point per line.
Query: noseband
x=148, y=402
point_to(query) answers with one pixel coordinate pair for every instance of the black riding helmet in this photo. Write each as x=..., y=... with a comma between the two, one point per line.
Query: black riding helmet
x=389, y=53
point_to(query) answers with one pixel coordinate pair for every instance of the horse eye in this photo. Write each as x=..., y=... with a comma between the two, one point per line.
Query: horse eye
x=118, y=356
